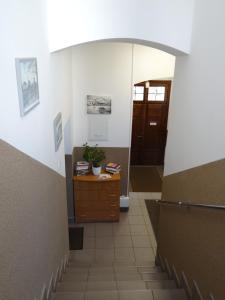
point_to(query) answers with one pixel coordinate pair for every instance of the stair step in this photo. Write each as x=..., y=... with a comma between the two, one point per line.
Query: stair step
x=102, y=295
x=154, y=276
x=81, y=263
x=67, y=296
x=122, y=295
x=160, y=284
x=178, y=294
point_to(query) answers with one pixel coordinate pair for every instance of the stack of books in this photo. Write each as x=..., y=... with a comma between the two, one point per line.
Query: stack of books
x=113, y=168
x=82, y=168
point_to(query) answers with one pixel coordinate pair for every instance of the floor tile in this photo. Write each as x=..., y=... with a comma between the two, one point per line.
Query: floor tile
x=125, y=254
x=135, y=211
x=121, y=229
x=144, y=253
x=101, y=295
x=122, y=241
x=103, y=229
x=104, y=254
x=89, y=230
x=104, y=242
x=123, y=218
x=138, y=230
x=85, y=255
x=141, y=241
x=89, y=243
x=136, y=295
x=136, y=220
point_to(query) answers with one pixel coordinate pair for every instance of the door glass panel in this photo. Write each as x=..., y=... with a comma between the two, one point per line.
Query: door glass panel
x=156, y=93
x=138, y=93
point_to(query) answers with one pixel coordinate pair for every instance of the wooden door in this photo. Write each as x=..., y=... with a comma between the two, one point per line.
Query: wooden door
x=149, y=128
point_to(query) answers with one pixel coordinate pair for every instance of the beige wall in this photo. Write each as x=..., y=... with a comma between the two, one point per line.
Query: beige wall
x=33, y=231
x=203, y=184
x=193, y=238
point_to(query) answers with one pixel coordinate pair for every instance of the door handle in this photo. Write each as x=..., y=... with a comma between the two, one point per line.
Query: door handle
x=139, y=136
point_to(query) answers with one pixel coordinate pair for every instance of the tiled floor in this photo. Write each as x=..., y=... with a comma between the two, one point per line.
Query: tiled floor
x=131, y=239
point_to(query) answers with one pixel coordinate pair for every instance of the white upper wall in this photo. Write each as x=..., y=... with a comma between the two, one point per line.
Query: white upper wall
x=152, y=64
x=161, y=22
x=197, y=118
x=23, y=31
x=110, y=69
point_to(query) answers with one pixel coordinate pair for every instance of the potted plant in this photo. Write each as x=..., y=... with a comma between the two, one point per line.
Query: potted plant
x=94, y=156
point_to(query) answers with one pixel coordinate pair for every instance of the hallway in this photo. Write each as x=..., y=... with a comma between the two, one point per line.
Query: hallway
x=117, y=261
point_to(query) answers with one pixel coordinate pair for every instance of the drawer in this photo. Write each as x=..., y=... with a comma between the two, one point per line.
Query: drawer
x=86, y=186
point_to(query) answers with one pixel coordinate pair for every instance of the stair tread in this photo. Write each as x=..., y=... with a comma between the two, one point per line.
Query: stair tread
x=160, y=284
x=176, y=294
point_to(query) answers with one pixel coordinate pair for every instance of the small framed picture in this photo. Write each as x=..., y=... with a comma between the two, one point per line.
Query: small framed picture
x=98, y=105
x=57, y=124
x=27, y=84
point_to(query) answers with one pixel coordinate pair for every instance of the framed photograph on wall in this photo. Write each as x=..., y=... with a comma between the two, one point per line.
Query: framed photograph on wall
x=57, y=124
x=98, y=105
x=27, y=84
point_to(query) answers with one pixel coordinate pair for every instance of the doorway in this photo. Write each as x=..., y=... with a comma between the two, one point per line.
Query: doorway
x=149, y=132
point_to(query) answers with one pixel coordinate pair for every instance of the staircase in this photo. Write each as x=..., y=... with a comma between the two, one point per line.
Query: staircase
x=118, y=262
x=114, y=281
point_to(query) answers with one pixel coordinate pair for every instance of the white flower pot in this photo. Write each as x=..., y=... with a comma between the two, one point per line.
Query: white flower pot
x=96, y=170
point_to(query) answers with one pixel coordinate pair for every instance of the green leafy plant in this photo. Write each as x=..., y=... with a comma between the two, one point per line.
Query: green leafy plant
x=93, y=154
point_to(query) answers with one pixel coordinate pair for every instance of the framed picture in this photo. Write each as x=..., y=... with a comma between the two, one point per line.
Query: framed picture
x=98, y=105
x=57, y=130
x=27, y=84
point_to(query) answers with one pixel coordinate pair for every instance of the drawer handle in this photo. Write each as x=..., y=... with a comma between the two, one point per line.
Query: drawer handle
x=114, y=205
x=112, y=195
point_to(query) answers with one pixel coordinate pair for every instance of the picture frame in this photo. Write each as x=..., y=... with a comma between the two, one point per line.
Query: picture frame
x=27, y=84
x=99, y=105
x=57, y=126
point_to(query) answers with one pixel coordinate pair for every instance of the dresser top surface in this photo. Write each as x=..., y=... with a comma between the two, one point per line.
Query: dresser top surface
x=94, y=178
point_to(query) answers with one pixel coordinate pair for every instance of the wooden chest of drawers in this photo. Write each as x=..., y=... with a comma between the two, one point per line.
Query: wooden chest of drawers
x=96, y=200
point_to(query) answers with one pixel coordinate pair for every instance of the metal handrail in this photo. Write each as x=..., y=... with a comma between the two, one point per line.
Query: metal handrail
x=189, y=204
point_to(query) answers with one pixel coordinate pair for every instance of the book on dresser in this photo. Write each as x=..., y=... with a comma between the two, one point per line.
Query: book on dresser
x=113, y=168
x=82, y=168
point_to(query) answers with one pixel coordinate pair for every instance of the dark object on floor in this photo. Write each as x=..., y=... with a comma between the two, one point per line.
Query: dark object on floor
x=76, y=235
x=124, y=209
x=145, y=179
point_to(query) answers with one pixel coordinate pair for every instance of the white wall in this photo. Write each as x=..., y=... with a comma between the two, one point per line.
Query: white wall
x=106, y=68
x=75, y=22
x=196, y=119
x=24, y=34
x=102, y=69
x=150, y=63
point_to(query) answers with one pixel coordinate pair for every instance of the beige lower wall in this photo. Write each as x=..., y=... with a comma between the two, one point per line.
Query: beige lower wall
x=193, y=238
x=33, y=224
x=203, y=184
